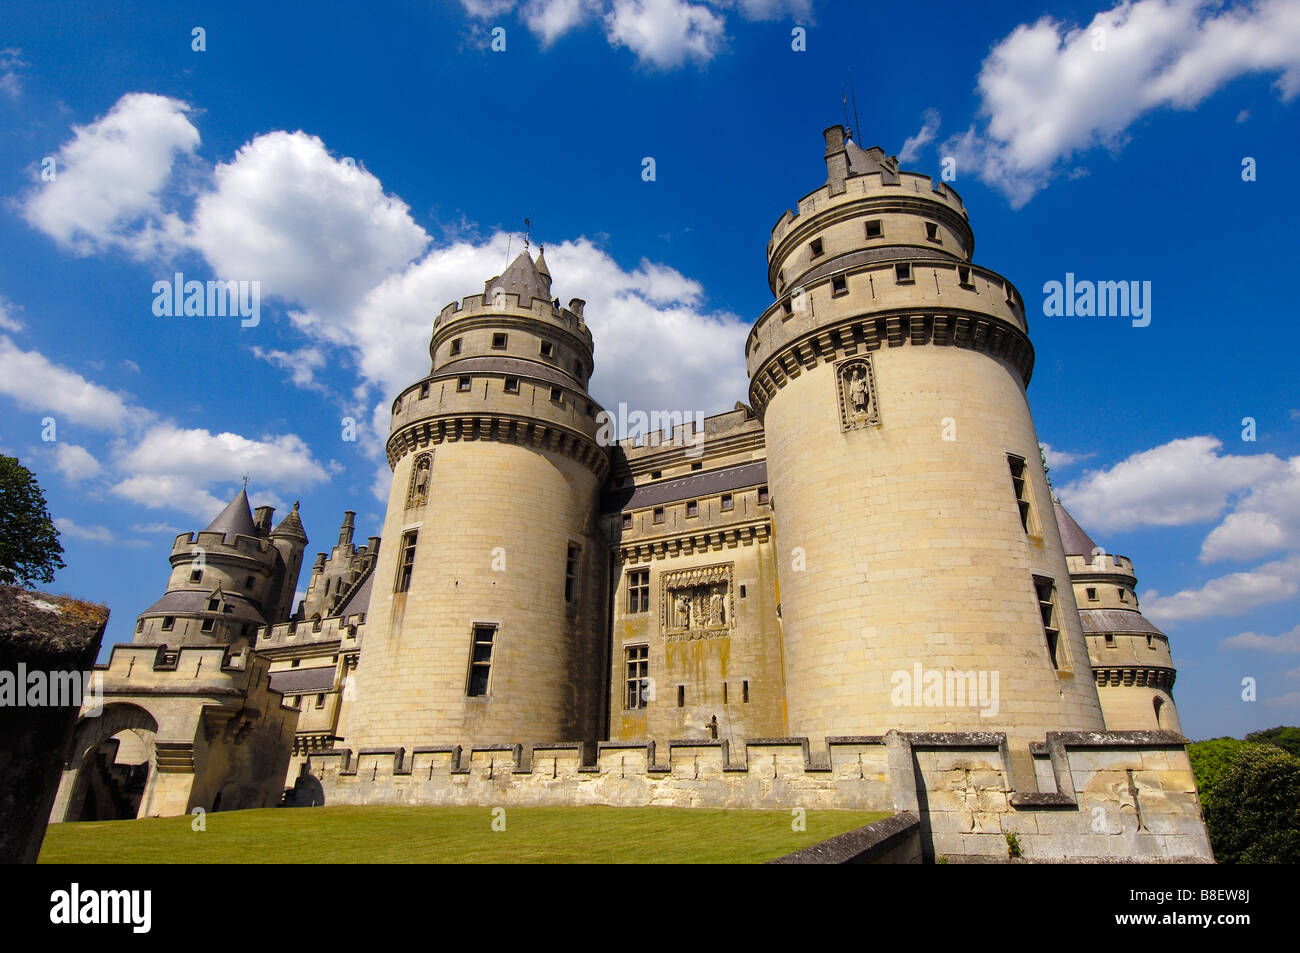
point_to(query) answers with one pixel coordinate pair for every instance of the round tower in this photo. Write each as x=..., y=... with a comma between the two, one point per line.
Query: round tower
x=487, y=615
x=225, y=582
x=923, y=582
x=1130, y=657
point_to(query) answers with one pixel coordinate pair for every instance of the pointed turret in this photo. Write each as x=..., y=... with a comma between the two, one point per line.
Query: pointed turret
x=235, y=520
x=522, y=278
x=540, y=265
x=291, y=525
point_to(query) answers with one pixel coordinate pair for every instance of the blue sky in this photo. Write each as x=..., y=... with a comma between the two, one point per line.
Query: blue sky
x=368, y=165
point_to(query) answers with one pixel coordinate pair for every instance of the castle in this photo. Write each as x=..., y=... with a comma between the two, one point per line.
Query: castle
x=857, y=590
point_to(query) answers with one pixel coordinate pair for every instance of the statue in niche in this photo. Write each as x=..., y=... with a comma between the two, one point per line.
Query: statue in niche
x=859, y=393
x=420, y=475
x=683, y=611
x=717, y=607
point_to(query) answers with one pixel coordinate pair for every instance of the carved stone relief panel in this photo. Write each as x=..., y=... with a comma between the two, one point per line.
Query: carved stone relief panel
x=697, y=603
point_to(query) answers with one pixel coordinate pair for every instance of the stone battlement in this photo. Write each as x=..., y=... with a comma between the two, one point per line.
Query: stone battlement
x=343, y=629
x=213, y=542
x=537, y=308
x=1100, y=795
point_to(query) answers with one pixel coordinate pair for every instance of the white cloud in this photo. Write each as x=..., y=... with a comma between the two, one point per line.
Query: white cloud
x=1234, y=594
x=1291, y=700
x=798, y=10
x=1182, y=482
x=151, y=528
x=311, y=228
x=1265, y=521
x=39, y=385
x=7, y=320
x=551, y=19
x=110, y=180
x=75, y=463
x=913, y=145
x=485, y=9
x=1047, y=93
x=665, y=33
x=94, y=534
x=301, y=364
x=11, y=83
x=1286, y=642
x=1062, y=458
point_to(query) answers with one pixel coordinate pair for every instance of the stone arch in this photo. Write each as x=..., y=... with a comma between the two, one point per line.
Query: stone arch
x=93, y=732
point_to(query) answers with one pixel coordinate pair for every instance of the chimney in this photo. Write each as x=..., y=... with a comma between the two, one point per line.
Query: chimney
x=372, y=546
x=837, y=159
x=262, y=519
x=576, y=305
x=345, y=531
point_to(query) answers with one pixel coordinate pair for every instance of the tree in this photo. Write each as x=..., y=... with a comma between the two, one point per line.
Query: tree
x=1254, y=815
x=1210, y=759
x=29, y=542
x=1286, y=737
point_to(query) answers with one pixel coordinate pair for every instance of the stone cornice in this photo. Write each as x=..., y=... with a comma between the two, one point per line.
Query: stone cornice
x=869, y=332
x=1142, y=676
x=430, y=431
x=706, y=540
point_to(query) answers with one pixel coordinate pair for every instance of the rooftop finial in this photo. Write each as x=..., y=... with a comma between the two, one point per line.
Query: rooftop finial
x=527, y=228
x=245, y=481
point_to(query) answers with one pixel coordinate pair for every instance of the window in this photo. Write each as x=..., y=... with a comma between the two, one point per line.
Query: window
x=816, y=247
x=932, y=231
x=1110, y=640
x=724, y=693
x=250, y=582
x=463, y=384
x=903, y=273
x=169, y=623
x=320, y=700
x=627, y=520
x=296, y=702
x=499, y=341
x=295, y=663
x=557, y=395
x=744, y=691
x=512, y=385
x=873, y=228
x=839, y=285
x=681, y=696
x=424, y=390
x=742, y=592
x=638, y=675
x=577, y=368
x=1092, y=595
x=548, y=349
x=406, y=562
x=656, y=474
x=727, y=502
x=963, y=276
x=693, y=508
x=659, y=514
x=638, y=590
x=196, y=575
x=455, y=347
x=1046, y=591
x=788, y=307
x=1021, y=486
x=571, y=573
x=1123, y=596
x=697, y=466
x=139, y=625
x=214, y=605
x=208, y=625
x=1151, y=641
x=763, y=495
x=480, y=661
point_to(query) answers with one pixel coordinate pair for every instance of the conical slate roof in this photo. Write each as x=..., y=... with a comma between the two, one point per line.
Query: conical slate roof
x=291, y=525
x=1074, y=540
x=522, y=278
x=235, y=520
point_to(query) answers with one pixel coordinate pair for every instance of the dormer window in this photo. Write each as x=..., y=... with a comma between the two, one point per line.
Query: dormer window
x=214, y=604
x=816, y=247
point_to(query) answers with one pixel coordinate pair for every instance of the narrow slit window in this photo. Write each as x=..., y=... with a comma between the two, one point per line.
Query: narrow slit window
x=480, y=662
x=1045, y=589
x=571, y=573
x=681, y=696
x=1020, y=483
x=744, y=690
x=406, y=564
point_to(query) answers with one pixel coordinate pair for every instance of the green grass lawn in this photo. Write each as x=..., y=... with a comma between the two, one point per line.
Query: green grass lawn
x=443, y=835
